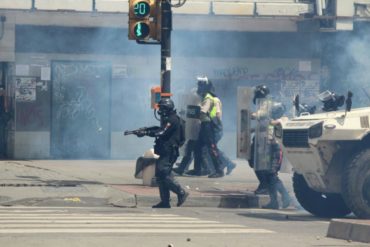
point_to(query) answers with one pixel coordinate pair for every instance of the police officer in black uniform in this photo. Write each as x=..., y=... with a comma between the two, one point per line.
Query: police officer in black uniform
x=167, y=142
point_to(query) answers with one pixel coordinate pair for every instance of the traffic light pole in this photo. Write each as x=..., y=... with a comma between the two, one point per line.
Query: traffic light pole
x=166, y=63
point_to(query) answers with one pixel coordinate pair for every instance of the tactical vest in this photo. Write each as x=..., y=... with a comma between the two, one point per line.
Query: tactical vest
x=213, y=111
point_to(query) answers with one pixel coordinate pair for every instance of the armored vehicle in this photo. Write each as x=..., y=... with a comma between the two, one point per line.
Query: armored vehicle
x=330, y=155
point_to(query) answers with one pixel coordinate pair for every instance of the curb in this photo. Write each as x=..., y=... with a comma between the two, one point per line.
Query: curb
x=220, y=201
x=350, y=230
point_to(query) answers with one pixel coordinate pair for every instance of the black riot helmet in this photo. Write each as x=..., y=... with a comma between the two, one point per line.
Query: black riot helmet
x=204, y=85
x=331, y=100
x=277, y=110
x=166, y=107
x=260, y=92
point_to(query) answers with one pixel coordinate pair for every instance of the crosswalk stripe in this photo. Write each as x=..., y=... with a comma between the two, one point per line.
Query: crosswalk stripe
x=50, y=220
x=125, y=225
x=64, y=213
x=109, y=221
x=3, y=211
x=89, y=217
x=134, y=230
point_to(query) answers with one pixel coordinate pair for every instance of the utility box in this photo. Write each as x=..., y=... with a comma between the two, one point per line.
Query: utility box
x=149, y=175
x=145, y=168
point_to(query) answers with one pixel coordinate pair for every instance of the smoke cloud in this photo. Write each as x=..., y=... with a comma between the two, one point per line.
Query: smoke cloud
x=229, y=59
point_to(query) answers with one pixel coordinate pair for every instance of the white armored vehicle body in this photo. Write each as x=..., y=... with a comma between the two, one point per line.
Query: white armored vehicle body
x=330, y=155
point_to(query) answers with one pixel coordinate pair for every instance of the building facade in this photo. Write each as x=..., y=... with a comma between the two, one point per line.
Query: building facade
x=73, y=82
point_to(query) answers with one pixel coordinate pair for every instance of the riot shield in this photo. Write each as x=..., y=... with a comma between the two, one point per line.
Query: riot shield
x=190, y=111
x=245, y=96
x=263, y=135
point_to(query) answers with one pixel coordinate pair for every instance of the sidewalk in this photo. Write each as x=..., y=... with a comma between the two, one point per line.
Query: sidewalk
x=112, y=182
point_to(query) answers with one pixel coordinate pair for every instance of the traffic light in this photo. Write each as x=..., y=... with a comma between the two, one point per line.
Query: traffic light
x=144, y=19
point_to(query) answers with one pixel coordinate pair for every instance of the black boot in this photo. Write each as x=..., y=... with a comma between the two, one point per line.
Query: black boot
x=162, y=205
x=218, y=174
x=175, y=187
x=181, y=197
x=164, y=194
x=261, y=190
x=178, y=170
x=193, y=173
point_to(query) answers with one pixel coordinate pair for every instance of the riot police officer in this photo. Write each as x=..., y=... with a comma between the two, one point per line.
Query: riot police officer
x=168, y=138
x=267, y=152
x=207, y=139
x=274, y=184
x=260, y=92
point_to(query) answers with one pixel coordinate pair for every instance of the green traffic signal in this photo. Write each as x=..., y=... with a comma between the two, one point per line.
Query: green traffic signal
x=141, y=30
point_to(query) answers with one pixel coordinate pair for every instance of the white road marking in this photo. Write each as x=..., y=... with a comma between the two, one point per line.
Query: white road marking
x=91, y=216
x=125, y=225
x=110, y=221
x=51, y=220
x=134, y=230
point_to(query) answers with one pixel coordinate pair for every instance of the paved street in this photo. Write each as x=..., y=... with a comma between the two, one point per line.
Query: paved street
x=100, y=203
x=112, y=182
x=63, y=226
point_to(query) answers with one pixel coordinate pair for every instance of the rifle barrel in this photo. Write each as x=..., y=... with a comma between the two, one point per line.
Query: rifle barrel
x=129, y=132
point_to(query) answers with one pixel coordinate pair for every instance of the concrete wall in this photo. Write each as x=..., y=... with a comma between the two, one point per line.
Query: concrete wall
x=224, y=71
x=32, y=145
x=230, y=59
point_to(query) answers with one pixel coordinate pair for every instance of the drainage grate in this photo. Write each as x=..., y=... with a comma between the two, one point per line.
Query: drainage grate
x=37, y=185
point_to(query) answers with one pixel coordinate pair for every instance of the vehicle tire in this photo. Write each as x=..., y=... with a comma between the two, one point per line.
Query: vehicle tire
x=326, y=205
x=356, y=185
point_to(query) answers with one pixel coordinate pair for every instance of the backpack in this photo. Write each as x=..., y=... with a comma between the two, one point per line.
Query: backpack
x=182, y=137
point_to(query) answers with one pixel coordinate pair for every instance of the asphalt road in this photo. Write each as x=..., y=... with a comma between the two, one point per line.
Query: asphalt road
x=177, y=227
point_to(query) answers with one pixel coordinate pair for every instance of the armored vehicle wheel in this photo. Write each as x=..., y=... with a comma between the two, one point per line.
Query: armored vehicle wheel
x=356, y=185
x=319, y=204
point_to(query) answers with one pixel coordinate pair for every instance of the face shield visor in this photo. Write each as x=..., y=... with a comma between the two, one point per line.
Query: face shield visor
x=202, y=85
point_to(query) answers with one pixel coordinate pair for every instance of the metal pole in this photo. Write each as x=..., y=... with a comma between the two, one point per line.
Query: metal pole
x=166, y=48
x=93, y=5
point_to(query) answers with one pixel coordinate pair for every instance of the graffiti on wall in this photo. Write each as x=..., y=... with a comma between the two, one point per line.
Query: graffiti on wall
x=278, y=74
x=307, y=90
x=78, y=104
x=283, y=81
x=80, y=110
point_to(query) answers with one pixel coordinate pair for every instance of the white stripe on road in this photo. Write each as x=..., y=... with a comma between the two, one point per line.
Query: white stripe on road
x=123, y=225
x=110, y=221
x=3, y=211
x=134, y=230
x=56, y=216
x=44, y=221
x=65, y=213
